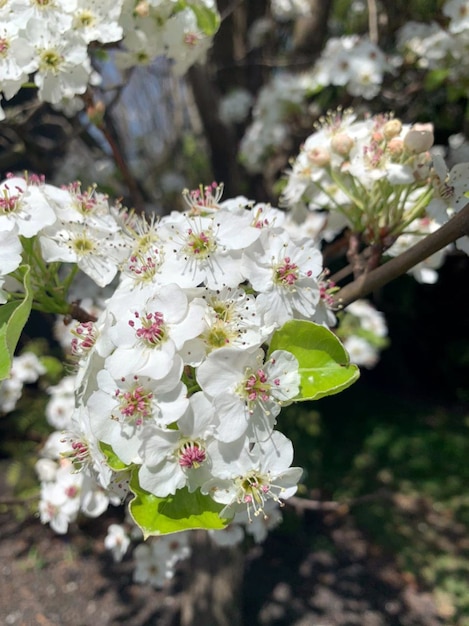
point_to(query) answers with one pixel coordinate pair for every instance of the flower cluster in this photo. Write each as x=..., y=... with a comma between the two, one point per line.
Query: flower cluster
x=370, y=175
x=378, y=178
x=178, y=381
x=67, y=225
x=352, y=62
x=51, y=39
x=175, y=382
x=269, y=131
x=443, y=48
x=65, y=492
x=363, y=331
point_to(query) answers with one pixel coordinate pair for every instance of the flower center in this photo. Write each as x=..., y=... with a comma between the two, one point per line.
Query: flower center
x=219, y=335
x=142, y=269
x=84, y=19
x=8, y=204
x=373, y=154
x=135, y=404
x=50, y=61
x=84, y=338
x=256, y=387
x=152, y=328
x=191, y=454
x=199, y=244
x=83, y=245
x=191, y=39
x=79, y=454
x=204, y=199
x=254, y=489
x=287, y=272
x=86, y=201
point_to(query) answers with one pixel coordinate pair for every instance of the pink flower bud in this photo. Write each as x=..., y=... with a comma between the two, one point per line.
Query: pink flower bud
x=319, y=157
x=342, y=144
x=395, y=146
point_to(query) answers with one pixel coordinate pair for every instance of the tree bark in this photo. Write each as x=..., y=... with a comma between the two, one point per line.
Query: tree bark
x=222, y=142
x=310, y=32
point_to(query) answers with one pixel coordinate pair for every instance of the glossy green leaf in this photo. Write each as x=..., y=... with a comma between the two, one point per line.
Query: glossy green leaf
x=13, y=317
x=183, y=511
x=324, y=364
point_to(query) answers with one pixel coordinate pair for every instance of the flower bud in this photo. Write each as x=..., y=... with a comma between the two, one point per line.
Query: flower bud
x=342, y=144
x=319, y=157
x=395, y=147
x=419, y=138
x=96, y=112
x=46, y=469
x=392, y=129
x=142, y=9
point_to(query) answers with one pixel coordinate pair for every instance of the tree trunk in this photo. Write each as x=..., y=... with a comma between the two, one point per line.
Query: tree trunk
x=310, y=32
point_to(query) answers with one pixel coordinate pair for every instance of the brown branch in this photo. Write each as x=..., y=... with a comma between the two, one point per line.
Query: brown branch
x=310, y=32
x=76, y=312
x=220, y=138
x=456, y=227
x=101, y=117
x=306, y=504
x=373, y=21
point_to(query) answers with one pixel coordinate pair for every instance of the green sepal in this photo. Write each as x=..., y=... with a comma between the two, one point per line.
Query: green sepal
x=13, y=317
x=324, y=363
x=112, y=459
x=207, y=20
x=182, y=511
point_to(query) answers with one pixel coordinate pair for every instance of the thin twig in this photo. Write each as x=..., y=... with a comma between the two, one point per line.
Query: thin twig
x=456, y=227
x=18, y=501
x=307, y=504
x=373, y=21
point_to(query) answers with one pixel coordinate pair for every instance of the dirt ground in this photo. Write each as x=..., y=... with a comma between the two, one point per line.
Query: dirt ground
x=51, y=580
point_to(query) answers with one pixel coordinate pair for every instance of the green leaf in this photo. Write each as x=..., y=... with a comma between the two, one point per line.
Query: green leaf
x=112, y=459
x=207, y=20
x=324, y=363
x=183, y=511
x=13, y=317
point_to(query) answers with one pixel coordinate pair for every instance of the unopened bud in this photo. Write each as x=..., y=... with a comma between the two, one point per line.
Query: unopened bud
x=142, y=9
x=319, y=157
x=342, y=144
x=419, y=138
x=96, y=112
x=395, y=146
x=392, y=129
